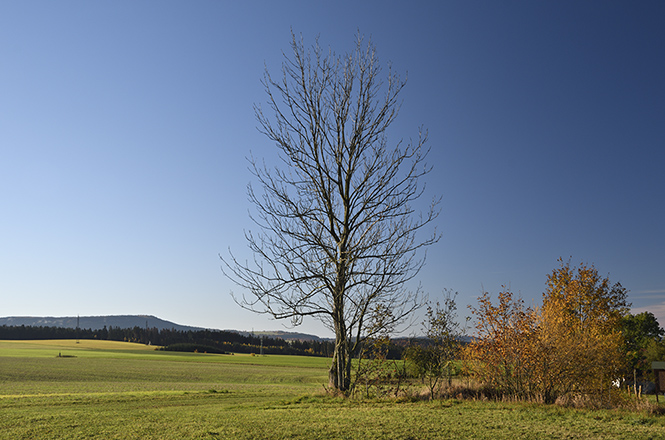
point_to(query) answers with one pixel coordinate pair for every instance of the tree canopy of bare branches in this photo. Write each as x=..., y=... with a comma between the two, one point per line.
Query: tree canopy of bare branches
x=338, y=238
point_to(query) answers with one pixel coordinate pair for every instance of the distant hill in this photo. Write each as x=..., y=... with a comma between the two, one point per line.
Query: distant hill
x=131, y=321
x=288, y=336
x=96, y=322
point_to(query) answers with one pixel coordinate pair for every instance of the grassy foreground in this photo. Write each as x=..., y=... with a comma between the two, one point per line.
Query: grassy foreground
x=111, y=390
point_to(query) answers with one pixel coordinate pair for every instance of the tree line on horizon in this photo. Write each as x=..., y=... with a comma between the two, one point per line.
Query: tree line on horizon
x=211, y=341
x=179, y=340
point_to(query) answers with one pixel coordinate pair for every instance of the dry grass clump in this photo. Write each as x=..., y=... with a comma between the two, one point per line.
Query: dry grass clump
x=614, y=399
x=643, y=405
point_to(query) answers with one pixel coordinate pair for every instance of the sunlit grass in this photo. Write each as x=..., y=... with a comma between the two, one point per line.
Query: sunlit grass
x=237, y=414
x=82, y=344
x=125, y=391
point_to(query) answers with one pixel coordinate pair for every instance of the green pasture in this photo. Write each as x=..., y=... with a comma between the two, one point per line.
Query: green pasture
x=113, y=390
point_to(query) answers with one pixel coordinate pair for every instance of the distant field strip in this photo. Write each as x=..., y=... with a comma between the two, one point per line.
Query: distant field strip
x=125, y=367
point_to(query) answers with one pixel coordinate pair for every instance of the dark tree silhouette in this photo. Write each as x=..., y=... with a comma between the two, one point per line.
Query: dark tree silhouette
x=338, y=237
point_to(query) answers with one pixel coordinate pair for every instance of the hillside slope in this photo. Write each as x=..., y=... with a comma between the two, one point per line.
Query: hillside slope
x=95, y=322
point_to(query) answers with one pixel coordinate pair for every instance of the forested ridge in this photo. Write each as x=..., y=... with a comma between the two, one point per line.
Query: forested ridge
x=221, y=340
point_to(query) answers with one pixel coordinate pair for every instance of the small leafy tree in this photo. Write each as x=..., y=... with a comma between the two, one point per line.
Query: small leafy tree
x=437, y=359
x=375, y=372
x=376, y=375
x=654, y=351
x=580, y=331
x=503, y=354
x=426, y=365
x=643, y=336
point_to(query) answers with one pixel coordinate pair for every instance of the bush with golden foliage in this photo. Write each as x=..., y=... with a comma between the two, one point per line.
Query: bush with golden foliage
x=580, y=331
x=571, y=345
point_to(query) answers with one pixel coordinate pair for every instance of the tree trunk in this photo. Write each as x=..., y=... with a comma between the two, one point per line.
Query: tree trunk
x=339, y=376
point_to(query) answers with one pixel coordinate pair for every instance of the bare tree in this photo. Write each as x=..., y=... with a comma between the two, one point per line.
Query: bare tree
x=338, y=236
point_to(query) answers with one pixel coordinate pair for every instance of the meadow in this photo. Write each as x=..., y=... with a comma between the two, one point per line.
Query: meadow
x=115, y=390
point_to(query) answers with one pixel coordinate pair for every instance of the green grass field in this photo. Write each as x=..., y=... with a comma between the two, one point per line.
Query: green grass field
x=113, y=390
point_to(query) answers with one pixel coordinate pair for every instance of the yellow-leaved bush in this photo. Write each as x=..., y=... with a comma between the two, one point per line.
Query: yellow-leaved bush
x=572, y=345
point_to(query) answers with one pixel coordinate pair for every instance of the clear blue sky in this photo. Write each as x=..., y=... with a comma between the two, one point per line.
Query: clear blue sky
x=124, y=128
